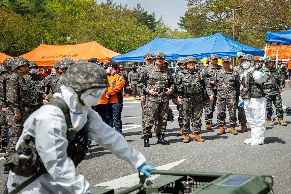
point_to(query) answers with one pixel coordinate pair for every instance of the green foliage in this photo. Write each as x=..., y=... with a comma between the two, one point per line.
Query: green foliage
x=251, y=22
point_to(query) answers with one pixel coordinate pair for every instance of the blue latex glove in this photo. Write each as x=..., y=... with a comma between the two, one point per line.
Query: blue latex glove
x=262, y=74
x=88, y=192
x=240, y=104
x=145, y=168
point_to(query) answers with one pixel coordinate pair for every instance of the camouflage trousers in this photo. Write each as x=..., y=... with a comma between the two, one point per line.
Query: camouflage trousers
x=209, y=109
x=134, y=89
x=143, y=108
x=4, y=127
x=241, y=115
x=155, y=113
x=15, y=127
x=180, y=117
x=192, y=112
x=275, y=99
x=231, y=104
x=283, y=80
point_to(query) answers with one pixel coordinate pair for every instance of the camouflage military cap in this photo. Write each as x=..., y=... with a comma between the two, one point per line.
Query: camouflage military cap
x=248, y=57
x=159, y=55
x=181, y=61
x=2, y=69
x=84, y=76
x=147, y=56
x=66, y=63
x=213, y=56
x=81, y=61
x=269, y=59
x=240, y=54
x=8, y=62
x=18, y=62
x=32, y=64
x=191, y=59
x=226, y=59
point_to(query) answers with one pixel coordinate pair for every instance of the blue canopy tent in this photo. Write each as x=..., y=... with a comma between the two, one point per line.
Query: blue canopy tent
x=197, y=47
x=279, y=38
x=217, y=44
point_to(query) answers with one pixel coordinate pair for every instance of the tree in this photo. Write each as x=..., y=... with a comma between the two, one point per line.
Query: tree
x=251, y=22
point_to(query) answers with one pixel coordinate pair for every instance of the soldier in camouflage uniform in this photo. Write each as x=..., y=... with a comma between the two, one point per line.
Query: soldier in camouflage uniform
x=228, y=86
x=210, y=73
x=37, y=87
x=181, y=63
x=3, y=104
x=241, y=111
x=282, y=69
x=52, y=81
x=133, y=77
x=191, y=85
x=253, y=100
x=158, y=83
x=273, y=90
x=18, y=99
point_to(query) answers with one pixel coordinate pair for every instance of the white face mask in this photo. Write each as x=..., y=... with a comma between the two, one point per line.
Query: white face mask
x=246, y=65
x=33, y=71
x=92, y=96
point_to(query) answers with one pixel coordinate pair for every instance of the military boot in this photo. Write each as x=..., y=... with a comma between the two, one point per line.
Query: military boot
x=221, y=130
x=243, y=128
x=197, y=137
x=232, y=130
x=270, y=122
x=186, y=138
x=161, y=139
x=146, y=142
x=180, y=132
x=208, y=126
x=281, y=121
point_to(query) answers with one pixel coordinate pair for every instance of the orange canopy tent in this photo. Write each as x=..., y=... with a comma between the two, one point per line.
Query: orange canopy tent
x=47, y=55
x=3, y=57
x=284, y=51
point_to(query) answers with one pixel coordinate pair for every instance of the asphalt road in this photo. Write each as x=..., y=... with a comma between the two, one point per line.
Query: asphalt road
x=223, y=154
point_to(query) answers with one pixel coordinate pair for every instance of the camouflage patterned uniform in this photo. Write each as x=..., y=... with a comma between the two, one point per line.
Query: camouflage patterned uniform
x=3, y=104
x=192, y=86
x=133, y=77
x=19, y=101
x=228, y=86
x=37, y=92
x=157, y=107
x=272, y=89
x=210, y=74
x=282, y=69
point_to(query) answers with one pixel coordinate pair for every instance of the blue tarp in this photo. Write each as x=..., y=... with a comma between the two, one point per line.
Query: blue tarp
x=197, y=47
x=279, y=37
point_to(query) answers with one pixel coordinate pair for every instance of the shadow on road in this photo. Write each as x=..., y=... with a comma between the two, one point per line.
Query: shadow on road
x=269, y=140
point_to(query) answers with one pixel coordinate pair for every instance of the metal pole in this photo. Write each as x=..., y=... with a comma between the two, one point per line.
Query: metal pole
x=233, y=23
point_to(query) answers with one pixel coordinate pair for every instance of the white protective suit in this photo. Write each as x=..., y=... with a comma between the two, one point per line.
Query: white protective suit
x=255, y=110
x=49, y=128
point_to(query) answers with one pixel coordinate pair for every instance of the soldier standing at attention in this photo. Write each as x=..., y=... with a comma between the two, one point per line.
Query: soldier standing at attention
x=38, y=88
x=18, y=99
x=158, y=83
x=211, y=74
x=133, y=77
x=192, y=86
x=228, y=86
x=181, y=63
x=272, y=89
x=241, y=111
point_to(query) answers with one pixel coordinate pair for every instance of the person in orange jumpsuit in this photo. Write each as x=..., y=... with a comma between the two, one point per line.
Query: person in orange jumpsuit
x=114, y=96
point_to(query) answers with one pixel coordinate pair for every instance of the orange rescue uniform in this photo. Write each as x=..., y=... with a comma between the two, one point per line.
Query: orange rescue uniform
x=116, y=83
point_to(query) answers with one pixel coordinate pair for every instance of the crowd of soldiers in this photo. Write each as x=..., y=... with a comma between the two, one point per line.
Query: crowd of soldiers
x=195, y=88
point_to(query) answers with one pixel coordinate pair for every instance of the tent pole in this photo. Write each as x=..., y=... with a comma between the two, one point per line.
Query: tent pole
x=266, y=50
x=277, y=54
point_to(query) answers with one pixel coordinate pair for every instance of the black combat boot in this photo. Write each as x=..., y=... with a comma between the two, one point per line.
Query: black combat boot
x=146, y=142
x=161, y=139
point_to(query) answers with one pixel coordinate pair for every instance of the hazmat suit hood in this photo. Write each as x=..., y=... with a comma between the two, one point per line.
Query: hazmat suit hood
x=78, y=112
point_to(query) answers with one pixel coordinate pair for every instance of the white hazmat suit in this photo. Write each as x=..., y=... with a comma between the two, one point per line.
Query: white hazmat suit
x=49, y=128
